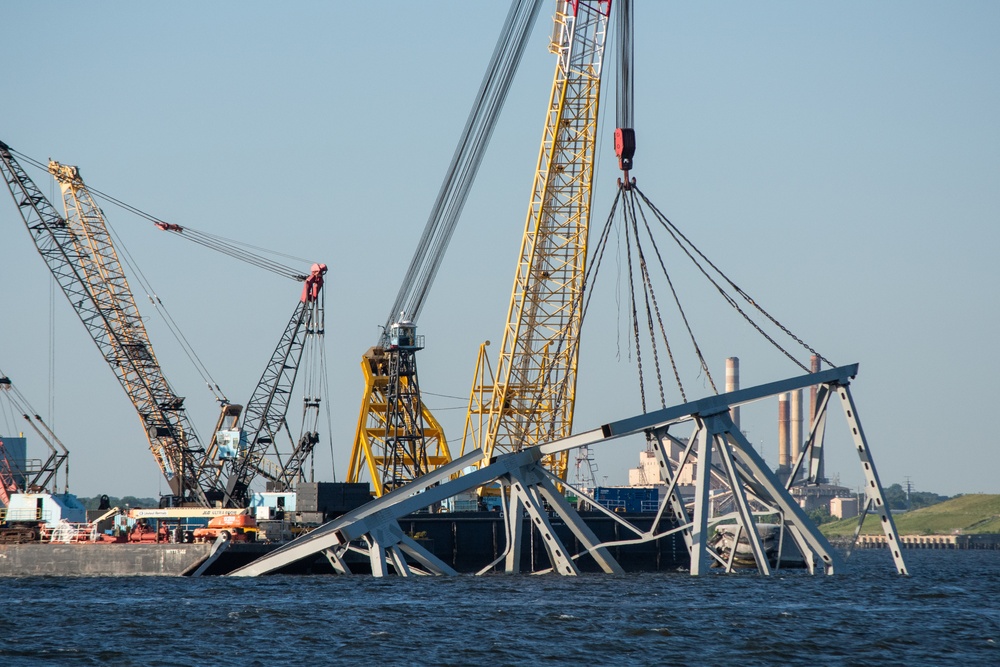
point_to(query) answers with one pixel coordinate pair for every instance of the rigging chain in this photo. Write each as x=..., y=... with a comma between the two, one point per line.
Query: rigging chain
x=651, y=294
x=630, y=209
x=669, y=226
x=635, y=319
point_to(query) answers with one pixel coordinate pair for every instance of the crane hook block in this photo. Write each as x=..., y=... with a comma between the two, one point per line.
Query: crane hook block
x=625, y=147
x=169, y=227
x=313, y=284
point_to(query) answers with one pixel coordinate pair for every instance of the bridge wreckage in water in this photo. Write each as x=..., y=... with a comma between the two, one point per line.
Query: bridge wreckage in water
x=718, y=447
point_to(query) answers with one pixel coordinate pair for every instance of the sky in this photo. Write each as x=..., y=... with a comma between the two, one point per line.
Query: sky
x=839, y=161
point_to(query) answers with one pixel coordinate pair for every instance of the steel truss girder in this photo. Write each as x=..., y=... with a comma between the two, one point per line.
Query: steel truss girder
x=528, y=484
x=371, y=520
x=265, y=415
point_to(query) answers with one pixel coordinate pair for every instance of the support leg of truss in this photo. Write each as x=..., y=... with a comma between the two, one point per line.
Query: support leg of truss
x=790, y=510
x=376, y=556
x=699, y=528
x=873, y=487
x=561, y=562
x=515, y=528
x=719, y=427
x=425, y=558
x=336, y=560
x=669, y=477
x=398, y=560
x=817, y=434
x=580, y=529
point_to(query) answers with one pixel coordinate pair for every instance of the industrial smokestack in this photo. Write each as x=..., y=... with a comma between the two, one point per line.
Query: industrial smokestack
x=733, y=384
x=783, y=432
x=795, y=422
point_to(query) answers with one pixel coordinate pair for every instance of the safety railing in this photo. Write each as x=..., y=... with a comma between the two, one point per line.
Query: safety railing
x=68, y=532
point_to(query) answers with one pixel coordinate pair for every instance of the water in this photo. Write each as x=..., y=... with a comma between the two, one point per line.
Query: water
x=946, y=612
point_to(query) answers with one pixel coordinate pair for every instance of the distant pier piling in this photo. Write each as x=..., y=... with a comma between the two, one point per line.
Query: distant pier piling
x=985, y=541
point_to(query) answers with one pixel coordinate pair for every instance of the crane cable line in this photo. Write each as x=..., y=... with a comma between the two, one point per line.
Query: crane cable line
x=465, y=161
x=672, y=229
x=237, y=249
x=168, y=319
x=633, y=204
x=632, y=209
x=145, y=284
x=626, y=74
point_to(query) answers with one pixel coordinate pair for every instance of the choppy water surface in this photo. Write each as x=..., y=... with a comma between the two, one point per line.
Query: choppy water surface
x=946, y=612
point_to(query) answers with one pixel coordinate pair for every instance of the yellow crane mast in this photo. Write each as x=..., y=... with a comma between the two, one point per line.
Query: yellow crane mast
x=530, y=397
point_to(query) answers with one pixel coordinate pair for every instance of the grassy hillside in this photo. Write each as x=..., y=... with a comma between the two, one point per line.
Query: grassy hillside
x=969, y=514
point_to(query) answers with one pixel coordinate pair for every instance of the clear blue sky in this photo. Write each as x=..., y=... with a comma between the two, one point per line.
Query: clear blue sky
x=840, y=161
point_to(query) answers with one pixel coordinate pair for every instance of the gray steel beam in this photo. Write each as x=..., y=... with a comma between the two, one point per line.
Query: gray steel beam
x=719, y=428
x=397, y=503
x=873, y=487
x=713, y=404
x=699, y=527
x=220, y=545
x=790, y=510
x=526, y=484
x=558, y=556
x=512, y=562
x=580, y=529
x=669, y=476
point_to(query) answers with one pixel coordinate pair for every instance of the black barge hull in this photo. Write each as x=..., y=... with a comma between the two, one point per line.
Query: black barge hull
x=468, y=541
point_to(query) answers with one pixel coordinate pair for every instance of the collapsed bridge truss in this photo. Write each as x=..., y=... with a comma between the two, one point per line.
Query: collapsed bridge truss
x=716, y=444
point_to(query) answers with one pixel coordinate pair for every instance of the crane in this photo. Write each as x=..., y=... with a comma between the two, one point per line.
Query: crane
x=530, y=397
x=247, y=449
x=37, y=475
x=264, y=418
x=398, y=438
x=79, y=253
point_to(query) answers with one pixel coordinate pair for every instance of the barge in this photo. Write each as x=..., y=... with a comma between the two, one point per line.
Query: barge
x=467, y=541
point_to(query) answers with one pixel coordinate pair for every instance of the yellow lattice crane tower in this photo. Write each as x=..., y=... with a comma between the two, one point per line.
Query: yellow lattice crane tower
x=530, y=397
x=397, y=438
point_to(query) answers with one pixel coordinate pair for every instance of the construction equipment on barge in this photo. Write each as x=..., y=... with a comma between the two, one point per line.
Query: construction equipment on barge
x=81, y=257
x=79, y=252
x=531, y=473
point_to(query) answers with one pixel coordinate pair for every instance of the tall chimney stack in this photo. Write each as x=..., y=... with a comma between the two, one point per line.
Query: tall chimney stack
x=795, y=423
x=733, y=384
x=783, y=465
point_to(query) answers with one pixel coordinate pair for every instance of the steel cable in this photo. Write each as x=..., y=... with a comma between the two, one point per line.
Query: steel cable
x=465, y=162
x=675, y=233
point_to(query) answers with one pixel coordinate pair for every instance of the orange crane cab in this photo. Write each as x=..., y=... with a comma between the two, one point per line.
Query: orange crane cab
x=238, y=527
